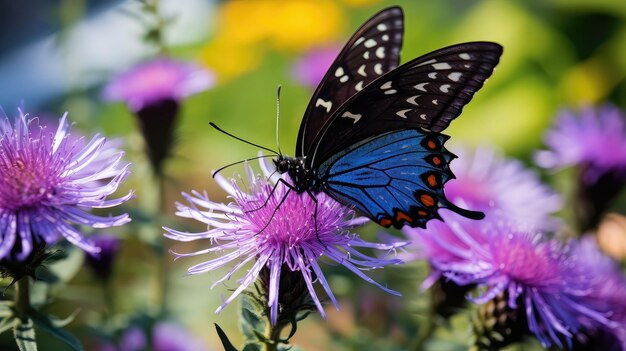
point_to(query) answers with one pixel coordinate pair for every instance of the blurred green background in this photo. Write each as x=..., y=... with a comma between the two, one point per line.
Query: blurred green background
x=558, y=53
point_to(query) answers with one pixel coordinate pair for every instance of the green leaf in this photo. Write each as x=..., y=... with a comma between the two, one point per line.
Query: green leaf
x=24, y=333
x=252, y=323
x=6, y=324
x=228, y=346
x=48, y=325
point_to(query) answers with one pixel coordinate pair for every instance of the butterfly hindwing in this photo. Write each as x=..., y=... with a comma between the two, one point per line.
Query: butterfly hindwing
x=428, y=92
x=373, y=50
x=395, y=178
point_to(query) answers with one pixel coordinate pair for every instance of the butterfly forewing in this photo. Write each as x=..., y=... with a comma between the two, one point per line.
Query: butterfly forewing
x=428, y=92
x=372, y=51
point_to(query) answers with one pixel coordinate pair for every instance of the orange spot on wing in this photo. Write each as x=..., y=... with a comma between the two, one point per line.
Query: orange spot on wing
x=385, y=222
x=427, y=200
x=400, y=216
x=422, y=213
x=436, y=160
x=432, y=180
x=431, y=144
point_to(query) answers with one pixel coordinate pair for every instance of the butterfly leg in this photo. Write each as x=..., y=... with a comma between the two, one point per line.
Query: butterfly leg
x=289, y=189
x=314, y=198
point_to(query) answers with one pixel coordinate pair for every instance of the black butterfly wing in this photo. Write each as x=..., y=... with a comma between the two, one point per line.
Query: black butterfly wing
x=373, y=50
x=425, y=93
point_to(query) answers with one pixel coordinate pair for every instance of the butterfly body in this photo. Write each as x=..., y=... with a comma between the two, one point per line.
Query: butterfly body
x=370, y=137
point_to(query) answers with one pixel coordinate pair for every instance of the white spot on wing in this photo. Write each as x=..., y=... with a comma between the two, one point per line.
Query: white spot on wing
x=378, y=68
x=339, y=72
x=359, y=86
x=385, y=37
x=381, y=27
x=441, y=65
x=366, y=55
x=361, y=71
x=402, y=113
x=444, y=88
x=370, y=43
x=326, y=104
x=390, y=91
x=344, y=79
x=380, y=52
x=387, y=85
x=435, y=102
x=355, y=117
x=423, y=116
x=432, y=75
x=454, y=76
x=465, y=56
x=421, y=86
x=412, y=99
x=359, y=41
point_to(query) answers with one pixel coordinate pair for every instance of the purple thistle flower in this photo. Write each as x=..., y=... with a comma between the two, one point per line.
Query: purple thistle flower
x=254, y=228
x=502, y=188
x=158, y=80
x=153, y=91
x=539, y=277
x=49, y=183
x=166, y=336
x=608, y=289
x=585, y=140
x=595, y=141
x=311, y=68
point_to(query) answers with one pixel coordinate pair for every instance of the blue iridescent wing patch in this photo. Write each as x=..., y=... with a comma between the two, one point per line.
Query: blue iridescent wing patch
x=395, y=178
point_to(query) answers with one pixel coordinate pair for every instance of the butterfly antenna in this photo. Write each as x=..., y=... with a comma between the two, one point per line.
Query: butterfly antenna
x=277, y=118
x=238, y=162
x=240, y=139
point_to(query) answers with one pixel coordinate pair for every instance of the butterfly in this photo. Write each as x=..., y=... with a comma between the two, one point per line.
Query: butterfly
x=370, y=137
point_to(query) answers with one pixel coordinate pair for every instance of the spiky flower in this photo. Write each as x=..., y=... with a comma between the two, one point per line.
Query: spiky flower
x=277, y=229
x=539, y=277
x=48, y=184
x=594, y=141
x=502, y=187
x=153, y=90
x=584, y=139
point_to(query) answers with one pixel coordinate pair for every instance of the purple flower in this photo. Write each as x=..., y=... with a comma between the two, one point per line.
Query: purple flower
x=277, y=233
x=608, y=286
x=539, y=277
x=157, y=80
x=169, y=336
x=49, y=183
x=595, y=141
x=502, y=188
x=153, y=91
x=310, y=68
x=585, y=139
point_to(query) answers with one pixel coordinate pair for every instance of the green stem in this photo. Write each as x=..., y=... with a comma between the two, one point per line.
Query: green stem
x=159, y=29
x=427, y=331
x=274, y=336
x=163, y=259
x=22, y=298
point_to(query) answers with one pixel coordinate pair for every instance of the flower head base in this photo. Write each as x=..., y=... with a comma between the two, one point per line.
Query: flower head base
x=276, y=228
x=47, y=182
